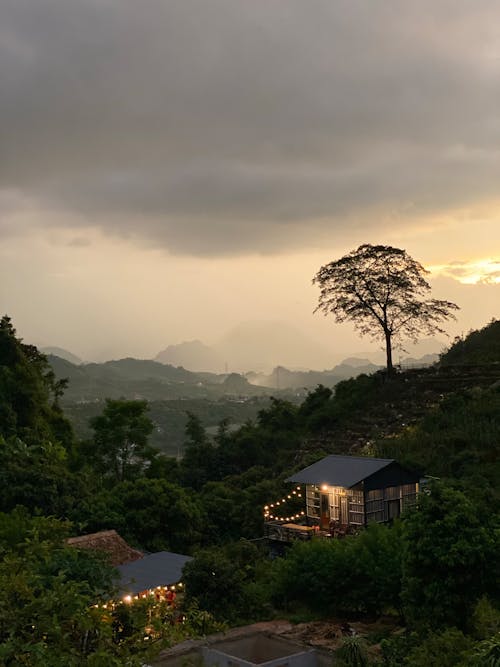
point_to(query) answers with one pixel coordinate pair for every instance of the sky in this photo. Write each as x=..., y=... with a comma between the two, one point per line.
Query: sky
x=170, y=169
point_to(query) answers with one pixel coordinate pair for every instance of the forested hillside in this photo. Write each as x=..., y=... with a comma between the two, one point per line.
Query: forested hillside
x=434, y=573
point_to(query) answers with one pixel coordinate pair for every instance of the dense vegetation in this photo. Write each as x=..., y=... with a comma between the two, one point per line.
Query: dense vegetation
x=436, y=571
x=478, y=347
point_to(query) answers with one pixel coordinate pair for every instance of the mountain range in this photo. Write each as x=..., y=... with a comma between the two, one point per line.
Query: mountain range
x=250, y=346
x=152, y=380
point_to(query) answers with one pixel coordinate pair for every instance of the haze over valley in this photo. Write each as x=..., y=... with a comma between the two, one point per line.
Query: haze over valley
x=249, y=333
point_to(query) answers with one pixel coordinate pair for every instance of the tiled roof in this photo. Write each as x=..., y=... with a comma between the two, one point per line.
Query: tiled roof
x=111, y=543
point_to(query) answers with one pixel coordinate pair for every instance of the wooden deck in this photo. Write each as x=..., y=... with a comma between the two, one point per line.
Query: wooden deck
x=293, y=532
x=288, y=532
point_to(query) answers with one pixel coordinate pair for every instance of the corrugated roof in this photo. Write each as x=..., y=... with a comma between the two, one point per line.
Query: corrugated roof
x=160, y=569
x=345, y=471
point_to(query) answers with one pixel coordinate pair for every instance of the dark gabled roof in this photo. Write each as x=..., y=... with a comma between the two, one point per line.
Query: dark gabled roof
x=160, y=569
x=344, y=471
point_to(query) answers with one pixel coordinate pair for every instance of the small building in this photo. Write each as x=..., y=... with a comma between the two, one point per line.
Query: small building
x=355, y=490
x=154, y=571
x=138, y=573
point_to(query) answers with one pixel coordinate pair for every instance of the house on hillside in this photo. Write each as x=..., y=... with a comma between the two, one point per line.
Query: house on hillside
x=345, y=493
x=152, y=573
x=355, y=490
x=139, y=574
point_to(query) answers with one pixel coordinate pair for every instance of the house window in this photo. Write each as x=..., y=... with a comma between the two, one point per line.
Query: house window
x=356, y=509
x=392, y=492
x=375, y=506
x=408, y=496
x=313, y=501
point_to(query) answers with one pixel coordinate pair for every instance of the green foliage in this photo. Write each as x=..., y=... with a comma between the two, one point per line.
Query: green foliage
x=120, y=443
x=200, y=622
x=357, y=575
x=478, y=347
x=152, y=513
x=46, y=593
x=315, y=410
x=458, y=439
x=268, y=443
x=352, y=653
x=199, y=463
x=234, y=506
x=485, y=619
x=447, y=559
x=446, y=648
x=444, y=554
x=396, y=648
x=440, y=649
x=29, y=393
x=485, y=653
x=223, y=582
x=169, y=416
x=36, y=475
x=49, y=611
x=160, y=515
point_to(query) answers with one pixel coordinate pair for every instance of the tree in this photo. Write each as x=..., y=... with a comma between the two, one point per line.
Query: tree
x=37, y=477
x=382, y=290
x=160, y=515
x=120, y=442
x=47, y=590
x=29, y=393
x=199, y=463
x=449, y=559
x=357, y=575
x=222, y=581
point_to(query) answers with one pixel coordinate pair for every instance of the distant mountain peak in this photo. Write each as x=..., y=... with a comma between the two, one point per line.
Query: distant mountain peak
x=192, y=355
x=62, y=354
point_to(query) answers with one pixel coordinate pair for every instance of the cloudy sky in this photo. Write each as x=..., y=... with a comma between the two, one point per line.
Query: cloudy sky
x=172, y=168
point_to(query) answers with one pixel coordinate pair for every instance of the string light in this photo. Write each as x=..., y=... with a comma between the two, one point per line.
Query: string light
x=268, y=510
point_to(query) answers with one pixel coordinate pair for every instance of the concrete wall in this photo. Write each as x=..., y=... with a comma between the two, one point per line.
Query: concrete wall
x=215, y=658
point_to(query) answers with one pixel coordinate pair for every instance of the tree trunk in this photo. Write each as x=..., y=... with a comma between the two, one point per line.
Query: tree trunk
x=388, y=352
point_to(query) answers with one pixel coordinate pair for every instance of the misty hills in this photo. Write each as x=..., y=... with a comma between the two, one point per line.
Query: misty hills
x=283, y=378
x=152, y=380
x=250, y=346
x=145, y=379
x=193, y=355
x=62, y=354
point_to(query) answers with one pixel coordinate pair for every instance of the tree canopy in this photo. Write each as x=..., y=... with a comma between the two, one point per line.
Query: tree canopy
x=437, y=566
x=29, y=392
x=383, y=291
x=121, y=435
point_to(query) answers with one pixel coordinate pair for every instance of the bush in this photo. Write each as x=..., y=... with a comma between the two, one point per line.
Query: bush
x=447, y=559
x=352, y=653
x=357, y=575
x=445, y=649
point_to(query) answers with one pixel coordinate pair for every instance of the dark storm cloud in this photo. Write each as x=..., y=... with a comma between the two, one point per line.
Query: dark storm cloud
x=227, y=125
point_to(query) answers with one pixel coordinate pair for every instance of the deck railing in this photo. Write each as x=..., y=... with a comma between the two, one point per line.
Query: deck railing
x=292, y=532
x=288, y=532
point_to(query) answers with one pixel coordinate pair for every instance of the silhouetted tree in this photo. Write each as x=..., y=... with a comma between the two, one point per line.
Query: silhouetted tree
x=381, y=290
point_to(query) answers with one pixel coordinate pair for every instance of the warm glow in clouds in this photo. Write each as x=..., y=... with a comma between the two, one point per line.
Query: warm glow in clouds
x=486, y=271
x=170, y=170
